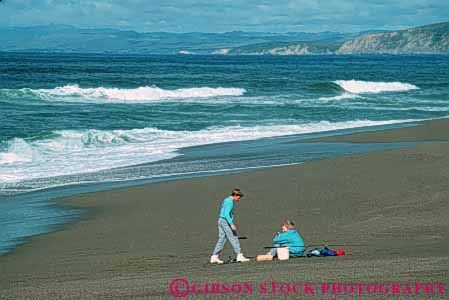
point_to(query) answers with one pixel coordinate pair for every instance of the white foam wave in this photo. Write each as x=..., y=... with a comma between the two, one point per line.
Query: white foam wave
x=145, y=93
x=343, y=96
x=74, y=152
x=18, y=151
x=370, y=87
x=9, y=158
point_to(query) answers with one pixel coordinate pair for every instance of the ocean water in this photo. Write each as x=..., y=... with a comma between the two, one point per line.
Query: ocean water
x=71, y=119
x=64, y=115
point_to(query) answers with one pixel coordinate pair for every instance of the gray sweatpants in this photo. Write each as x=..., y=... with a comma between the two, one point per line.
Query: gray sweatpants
x=225, y=232
x=274, y=251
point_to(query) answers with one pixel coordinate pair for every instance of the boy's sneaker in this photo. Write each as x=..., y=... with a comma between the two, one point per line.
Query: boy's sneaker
x=214, y=259
x=241, y=258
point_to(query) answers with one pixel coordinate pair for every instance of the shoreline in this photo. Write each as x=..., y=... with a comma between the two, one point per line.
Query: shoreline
x=133, y=248
x=194, y=154
x=313, y=137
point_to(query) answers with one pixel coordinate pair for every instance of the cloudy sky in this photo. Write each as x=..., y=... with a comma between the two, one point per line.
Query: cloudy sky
x=226, y=15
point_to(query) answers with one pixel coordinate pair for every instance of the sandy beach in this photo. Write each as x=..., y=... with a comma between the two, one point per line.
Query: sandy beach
x=132, y=242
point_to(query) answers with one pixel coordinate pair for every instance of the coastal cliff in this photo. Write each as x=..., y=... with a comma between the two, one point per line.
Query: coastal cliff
x=430, y=39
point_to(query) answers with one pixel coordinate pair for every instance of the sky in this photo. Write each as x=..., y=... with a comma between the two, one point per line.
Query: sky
x=226, y=15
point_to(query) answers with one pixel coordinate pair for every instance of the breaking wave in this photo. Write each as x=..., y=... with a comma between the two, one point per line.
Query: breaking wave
x=75, y=93
x=69, y=152
x=370, y=87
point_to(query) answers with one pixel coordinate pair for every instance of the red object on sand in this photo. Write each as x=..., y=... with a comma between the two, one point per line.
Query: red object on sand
x=340, y=252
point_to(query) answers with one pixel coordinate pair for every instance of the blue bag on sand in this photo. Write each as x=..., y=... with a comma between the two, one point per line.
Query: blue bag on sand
x=327, y=252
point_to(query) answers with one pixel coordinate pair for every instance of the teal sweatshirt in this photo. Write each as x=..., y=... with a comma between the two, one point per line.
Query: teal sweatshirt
x=227, y=210
x=291, y=239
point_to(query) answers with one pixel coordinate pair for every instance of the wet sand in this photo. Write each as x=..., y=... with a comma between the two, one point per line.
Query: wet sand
x=134, y=241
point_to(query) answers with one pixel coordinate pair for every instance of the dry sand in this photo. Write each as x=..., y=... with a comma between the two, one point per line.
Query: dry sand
x=135, y=240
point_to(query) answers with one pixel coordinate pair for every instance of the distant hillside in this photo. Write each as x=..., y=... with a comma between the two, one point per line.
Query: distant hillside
x=60, y=38
x=326, y=45
x=429, y=39
x=295, y=48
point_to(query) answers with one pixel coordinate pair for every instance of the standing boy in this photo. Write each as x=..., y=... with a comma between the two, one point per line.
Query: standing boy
x=227, y=229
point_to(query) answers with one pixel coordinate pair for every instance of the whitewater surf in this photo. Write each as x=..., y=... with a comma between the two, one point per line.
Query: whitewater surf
x=71, y=121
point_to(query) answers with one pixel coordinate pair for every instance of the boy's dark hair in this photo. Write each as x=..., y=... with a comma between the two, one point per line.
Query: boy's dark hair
x=289, y=223
x=237, y=192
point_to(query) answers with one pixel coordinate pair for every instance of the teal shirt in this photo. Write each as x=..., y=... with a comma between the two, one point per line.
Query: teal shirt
x=291, y=239
x=227, y=210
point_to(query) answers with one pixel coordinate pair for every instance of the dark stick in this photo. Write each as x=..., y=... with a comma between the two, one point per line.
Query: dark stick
x=280, y=247
x=307, y=246
x=340, y=245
